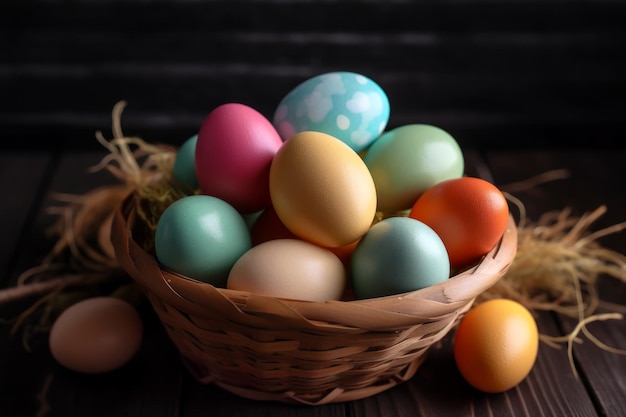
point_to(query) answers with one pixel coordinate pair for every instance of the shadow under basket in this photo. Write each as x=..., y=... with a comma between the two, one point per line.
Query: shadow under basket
x=271, y=349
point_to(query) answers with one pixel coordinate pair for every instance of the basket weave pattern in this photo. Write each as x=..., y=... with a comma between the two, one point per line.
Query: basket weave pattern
x=265, y=348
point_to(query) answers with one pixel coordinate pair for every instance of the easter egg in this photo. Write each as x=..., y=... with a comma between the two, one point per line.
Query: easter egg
x=96, y=335
x=406, y=161
x=235, y=148
x=184, y=169
x=201, y=237
x=469, y=214
x=346, y=105
x=289, y=268
x=321, y=190
x=398, y=255
x=495, y=345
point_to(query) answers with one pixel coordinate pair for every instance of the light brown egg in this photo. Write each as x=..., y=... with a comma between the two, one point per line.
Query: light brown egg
x=96, y=335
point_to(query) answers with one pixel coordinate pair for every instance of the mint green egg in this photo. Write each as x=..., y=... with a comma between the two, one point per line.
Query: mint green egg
x=184, y=165
x=398, y=255
x=408, y=160
x=201, y=237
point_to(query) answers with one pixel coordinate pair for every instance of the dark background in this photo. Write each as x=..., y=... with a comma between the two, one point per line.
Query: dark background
x=498, y=74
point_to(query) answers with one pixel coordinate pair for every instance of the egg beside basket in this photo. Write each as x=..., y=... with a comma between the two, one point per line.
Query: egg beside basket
x=272, y=349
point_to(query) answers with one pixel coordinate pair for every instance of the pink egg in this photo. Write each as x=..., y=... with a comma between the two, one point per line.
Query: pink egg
x=236, y=145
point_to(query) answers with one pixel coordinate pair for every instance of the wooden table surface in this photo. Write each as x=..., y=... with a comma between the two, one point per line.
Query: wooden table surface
x=155, y=383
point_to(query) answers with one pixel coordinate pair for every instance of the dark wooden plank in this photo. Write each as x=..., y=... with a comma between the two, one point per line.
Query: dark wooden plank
x=20, y=189
x=200, y=400
x=596, y=178
x=148, y=385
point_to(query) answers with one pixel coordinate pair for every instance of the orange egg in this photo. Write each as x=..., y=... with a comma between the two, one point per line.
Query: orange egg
x=469, y=214
x=495, y=345
x=322, y=190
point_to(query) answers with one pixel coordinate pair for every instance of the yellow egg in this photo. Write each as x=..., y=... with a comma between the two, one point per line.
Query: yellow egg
x=289, y=268
x=322, y=190
x=496, y=345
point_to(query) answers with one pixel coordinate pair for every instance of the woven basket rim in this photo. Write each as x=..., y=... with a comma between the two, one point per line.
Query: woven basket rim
x=463, y=286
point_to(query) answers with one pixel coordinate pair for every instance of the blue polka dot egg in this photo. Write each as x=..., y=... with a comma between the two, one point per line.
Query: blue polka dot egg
x=346, y=105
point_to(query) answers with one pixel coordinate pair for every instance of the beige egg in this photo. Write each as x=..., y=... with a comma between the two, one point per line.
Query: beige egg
x=289, y=268
x=96, y=335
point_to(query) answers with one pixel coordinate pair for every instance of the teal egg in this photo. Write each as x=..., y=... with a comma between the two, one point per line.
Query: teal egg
x=184, y=165
x=201, y=237
x=398, y=255
x=346, y=105
x=406, y=161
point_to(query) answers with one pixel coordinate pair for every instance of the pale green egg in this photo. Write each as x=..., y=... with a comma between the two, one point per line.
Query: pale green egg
x=408, y=160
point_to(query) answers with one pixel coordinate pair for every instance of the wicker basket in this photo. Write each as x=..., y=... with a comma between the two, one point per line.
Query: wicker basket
x=314, y=353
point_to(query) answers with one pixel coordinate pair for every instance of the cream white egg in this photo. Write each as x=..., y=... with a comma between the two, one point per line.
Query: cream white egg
x=289, y=268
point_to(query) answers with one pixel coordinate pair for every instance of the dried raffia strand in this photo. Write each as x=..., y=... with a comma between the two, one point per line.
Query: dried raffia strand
x=42, y=397
x=554, y=252
x=87, y=216
x=532, y=182
x=572, y=337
